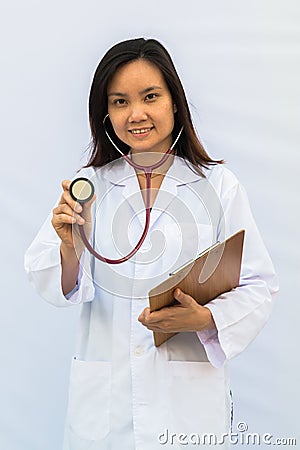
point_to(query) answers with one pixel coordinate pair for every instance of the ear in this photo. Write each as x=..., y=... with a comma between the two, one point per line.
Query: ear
x=174, y=108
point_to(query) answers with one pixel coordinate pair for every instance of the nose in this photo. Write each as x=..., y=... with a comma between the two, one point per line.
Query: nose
x=137, y=113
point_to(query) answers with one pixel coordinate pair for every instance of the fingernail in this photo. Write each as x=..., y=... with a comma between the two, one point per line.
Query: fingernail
x=78, y=208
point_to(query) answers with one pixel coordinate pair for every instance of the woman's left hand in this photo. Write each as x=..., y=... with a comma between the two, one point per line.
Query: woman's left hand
x=187, y=315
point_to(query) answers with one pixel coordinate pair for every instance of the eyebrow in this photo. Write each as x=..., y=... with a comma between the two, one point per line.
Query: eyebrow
x=144, y=91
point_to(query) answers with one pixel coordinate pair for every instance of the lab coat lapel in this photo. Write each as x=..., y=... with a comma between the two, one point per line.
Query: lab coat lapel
x=178, y=175
x=132, y=194
x=121, y=174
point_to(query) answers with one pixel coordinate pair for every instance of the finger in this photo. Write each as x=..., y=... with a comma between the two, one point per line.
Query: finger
x=163, y=326
x=66, y=184
x=76, y=206
x=183, y=298
x=157, y=328
x=154, y=317
x=65, y=209
x=145, y=313
x=63, y=219
x=84, y=209
x=66, y=198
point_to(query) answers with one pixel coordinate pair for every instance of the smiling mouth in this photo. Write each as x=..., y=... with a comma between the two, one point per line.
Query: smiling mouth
x=141, y=130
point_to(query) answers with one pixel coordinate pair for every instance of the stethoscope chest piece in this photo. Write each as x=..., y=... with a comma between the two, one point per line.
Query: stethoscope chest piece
x=81, y=190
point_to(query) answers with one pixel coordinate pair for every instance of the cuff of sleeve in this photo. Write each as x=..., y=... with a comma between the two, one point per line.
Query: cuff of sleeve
x=212, y=346
x=84, y=289
x=72, y=292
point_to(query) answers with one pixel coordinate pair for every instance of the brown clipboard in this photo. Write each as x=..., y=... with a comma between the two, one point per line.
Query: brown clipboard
x=213, y=272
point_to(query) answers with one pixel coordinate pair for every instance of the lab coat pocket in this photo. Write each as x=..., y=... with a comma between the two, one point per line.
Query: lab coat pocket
x=88, y=411
x=198, y=397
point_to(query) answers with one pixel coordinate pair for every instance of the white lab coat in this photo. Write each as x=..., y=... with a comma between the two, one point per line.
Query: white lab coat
x=124, y=392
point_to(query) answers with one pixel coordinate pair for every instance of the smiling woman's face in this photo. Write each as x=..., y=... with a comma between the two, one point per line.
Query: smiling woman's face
x=140, y=107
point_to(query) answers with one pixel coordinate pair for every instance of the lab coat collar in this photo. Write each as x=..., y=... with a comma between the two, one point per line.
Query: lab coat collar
x=181, y=172
x=120, y=173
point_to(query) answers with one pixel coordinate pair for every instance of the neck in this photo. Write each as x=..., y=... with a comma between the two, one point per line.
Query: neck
x=150, y=158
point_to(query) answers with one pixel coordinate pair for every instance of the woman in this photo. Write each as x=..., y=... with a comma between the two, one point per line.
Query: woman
x=124, y=392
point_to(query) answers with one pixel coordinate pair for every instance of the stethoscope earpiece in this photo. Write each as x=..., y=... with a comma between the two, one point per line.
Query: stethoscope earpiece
x=81, y=190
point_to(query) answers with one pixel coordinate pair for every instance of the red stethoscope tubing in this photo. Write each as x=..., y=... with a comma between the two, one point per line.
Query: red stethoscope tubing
x=148, y=171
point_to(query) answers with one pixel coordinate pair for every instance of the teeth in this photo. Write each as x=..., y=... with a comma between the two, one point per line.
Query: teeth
x=143, y=130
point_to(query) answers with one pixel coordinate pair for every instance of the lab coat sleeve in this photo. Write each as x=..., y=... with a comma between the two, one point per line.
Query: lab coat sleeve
x=43, y=267
x=240, y=314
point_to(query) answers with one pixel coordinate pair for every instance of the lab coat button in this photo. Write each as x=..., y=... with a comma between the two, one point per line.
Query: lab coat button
x=138, y=351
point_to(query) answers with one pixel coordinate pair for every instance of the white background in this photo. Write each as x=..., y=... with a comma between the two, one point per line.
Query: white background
x=239, y=63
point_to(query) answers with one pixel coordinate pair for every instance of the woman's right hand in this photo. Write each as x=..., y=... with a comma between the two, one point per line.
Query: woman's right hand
x=66, y=218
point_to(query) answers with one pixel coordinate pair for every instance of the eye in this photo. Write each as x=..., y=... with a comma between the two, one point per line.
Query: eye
x=119, y=101
x=151, y=96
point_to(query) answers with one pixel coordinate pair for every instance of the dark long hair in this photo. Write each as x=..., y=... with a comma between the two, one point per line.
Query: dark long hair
x=102, y=151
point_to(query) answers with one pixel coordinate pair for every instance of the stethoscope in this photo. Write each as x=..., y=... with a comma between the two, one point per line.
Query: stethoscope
x=82, y=190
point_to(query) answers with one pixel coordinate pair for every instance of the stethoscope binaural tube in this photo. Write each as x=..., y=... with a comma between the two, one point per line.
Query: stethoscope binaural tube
x=82, y=190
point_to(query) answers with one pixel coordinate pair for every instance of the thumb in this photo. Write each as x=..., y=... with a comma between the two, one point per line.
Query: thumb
x=182, y=297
